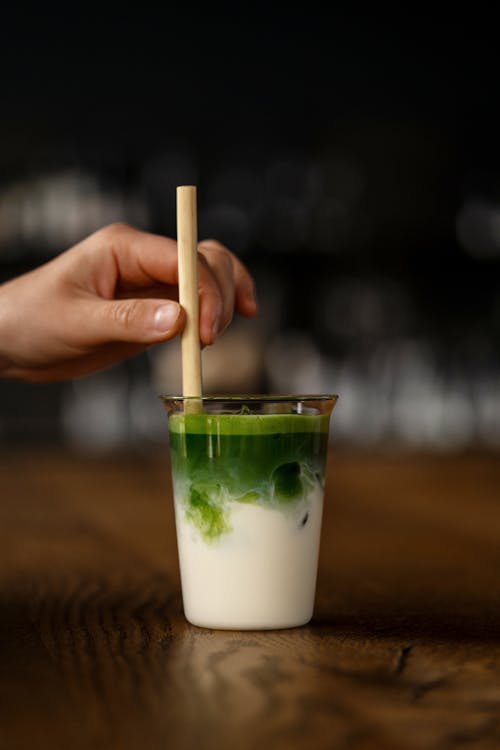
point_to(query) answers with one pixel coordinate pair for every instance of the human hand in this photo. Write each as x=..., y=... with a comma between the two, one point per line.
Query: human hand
x=109, y=297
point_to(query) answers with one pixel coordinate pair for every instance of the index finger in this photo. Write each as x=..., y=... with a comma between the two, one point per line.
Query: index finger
x=244, y=288
x=141, y=259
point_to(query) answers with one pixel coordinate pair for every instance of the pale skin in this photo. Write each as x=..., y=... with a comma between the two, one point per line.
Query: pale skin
x=110, y=297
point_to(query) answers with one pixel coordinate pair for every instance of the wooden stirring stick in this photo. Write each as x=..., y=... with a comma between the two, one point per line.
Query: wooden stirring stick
x=187, y=248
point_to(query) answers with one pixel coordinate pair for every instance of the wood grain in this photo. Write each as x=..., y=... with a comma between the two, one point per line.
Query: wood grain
x=403, y=652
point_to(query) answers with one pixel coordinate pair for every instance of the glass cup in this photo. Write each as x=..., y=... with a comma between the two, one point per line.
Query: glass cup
x=248, y=476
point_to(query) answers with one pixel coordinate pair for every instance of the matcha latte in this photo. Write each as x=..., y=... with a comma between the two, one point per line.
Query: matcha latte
x=248, y=493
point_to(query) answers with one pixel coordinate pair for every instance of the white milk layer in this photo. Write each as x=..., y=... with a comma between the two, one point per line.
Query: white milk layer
x=260, y=575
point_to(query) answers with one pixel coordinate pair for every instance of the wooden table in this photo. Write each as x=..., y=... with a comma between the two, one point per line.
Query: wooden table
x=403, y=653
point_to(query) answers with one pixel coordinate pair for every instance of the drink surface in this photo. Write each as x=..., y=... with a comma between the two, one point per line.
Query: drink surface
x=222, y=461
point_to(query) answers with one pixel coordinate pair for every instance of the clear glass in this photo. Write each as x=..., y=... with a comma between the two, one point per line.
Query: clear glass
x=248, y=476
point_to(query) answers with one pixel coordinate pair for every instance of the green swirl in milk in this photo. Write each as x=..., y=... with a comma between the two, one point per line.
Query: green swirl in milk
x=273, y=460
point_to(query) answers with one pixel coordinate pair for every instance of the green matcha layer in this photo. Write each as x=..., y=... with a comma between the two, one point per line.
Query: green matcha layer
x=271, y=459
x=247, y=424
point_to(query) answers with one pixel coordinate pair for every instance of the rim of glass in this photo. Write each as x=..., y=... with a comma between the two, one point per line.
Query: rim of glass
x=255, y=397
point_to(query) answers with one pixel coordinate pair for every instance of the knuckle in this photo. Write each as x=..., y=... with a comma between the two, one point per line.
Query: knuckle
x=115, y=231
x=217, y=251
x=211, y=245
x=126, y=313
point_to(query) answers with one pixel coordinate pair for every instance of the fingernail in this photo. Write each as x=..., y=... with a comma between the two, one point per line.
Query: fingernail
x=216, y=326
x=252, y=294
x=165, y=317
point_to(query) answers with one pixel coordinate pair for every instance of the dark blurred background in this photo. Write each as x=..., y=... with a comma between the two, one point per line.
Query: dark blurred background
x=352, y=161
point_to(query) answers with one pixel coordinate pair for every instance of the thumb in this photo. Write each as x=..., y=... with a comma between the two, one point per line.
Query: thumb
x=141, y=321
